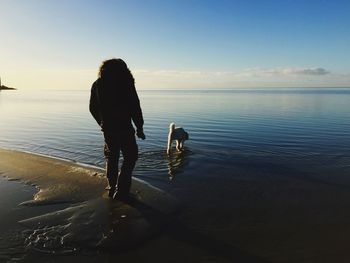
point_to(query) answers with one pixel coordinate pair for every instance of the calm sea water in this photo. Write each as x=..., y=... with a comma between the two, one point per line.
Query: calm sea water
x=304, y=128
x=237, y=137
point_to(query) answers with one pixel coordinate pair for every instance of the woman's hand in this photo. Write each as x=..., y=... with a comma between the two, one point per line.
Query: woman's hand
x=140, y=134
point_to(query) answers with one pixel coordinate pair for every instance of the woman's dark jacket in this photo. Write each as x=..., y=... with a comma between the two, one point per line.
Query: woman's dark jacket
x=114, y=104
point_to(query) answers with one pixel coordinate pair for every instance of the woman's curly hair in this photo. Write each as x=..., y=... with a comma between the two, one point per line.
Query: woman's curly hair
x=115, y=69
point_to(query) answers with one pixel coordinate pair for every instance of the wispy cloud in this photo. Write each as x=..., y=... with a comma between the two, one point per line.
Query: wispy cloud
x=282, y=76
x=294, y=71
x=186, y=79
x=311, y=71
x=244, y=73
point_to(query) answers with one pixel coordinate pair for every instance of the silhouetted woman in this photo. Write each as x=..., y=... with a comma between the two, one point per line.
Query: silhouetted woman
x=114, y=104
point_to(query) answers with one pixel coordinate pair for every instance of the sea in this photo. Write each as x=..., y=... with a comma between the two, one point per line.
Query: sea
x=251, y=154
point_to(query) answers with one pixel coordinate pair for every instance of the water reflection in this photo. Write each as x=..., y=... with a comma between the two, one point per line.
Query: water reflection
x=177, y=161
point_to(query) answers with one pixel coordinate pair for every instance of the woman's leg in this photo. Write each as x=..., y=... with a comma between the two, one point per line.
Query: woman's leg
x=129, y=150
x=111, y=152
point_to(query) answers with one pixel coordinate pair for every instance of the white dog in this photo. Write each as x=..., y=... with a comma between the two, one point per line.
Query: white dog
x=176, y=134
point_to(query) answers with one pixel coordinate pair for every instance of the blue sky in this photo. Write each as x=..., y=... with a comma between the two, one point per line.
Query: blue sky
x=176, y=44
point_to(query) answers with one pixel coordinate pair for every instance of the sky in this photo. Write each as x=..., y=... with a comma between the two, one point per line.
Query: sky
x=192, y=44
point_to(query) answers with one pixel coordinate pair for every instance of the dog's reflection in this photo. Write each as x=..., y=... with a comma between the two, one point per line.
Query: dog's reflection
x=177, y=162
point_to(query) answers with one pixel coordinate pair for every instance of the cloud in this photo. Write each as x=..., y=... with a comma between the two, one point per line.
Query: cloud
x=315, y=71
x=247, y=73
x=251, y=77
x=288, y=71
x=306, y=71
x=185, y=79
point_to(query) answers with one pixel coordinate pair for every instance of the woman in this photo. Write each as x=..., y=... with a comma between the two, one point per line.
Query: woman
x=115, y=105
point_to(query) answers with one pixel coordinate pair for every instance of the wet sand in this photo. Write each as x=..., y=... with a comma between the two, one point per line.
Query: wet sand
x=57, y=207
x=65, y=216
x=261, y=219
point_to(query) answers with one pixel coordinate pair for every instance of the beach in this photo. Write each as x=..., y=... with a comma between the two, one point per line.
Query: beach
x=271, y=221
x=70, y=211
x=66, y=213
x=240, y=114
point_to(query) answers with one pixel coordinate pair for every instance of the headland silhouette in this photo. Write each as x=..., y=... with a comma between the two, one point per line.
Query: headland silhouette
x=3, y=87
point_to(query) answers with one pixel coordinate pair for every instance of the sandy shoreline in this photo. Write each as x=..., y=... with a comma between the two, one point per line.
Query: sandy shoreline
x=66, y=217
x=264, y=219
x=70, y=211
x=70, y=218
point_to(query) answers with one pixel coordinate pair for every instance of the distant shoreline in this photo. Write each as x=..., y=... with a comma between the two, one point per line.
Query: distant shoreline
x=6, y=88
